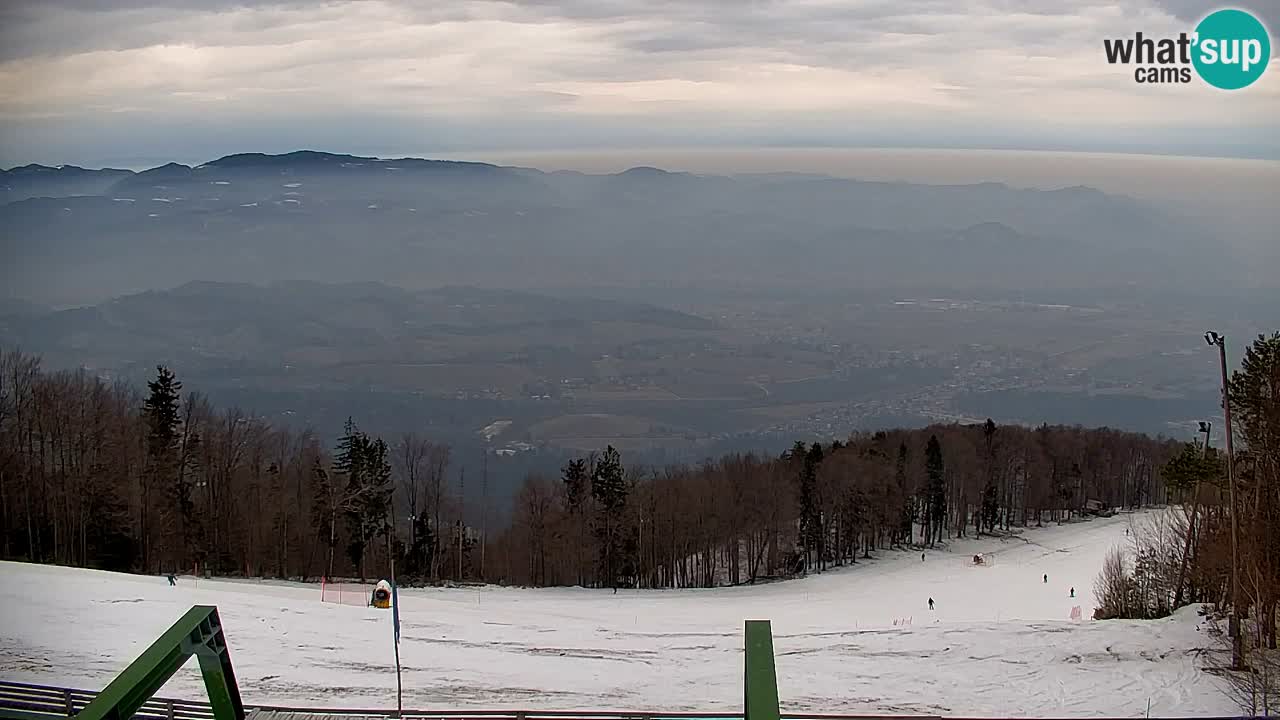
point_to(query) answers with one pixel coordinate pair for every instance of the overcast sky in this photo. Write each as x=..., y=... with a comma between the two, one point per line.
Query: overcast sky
x=133, y=81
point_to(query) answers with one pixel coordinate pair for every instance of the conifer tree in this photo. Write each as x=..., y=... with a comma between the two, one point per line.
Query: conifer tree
x=574, y=477
x=609, y=491
x=936, y=490
x=160, y=497
x=990, y=509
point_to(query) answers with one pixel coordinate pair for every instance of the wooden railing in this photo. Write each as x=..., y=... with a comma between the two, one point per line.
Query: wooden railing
x=43, y=701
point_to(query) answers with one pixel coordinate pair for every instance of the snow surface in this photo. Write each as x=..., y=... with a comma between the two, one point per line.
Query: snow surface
x=999, y=643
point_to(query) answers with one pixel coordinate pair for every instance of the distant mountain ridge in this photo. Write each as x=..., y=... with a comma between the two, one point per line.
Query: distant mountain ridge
x=310, y=160
x=81, y=235
x=22, y=183
x=28, y=181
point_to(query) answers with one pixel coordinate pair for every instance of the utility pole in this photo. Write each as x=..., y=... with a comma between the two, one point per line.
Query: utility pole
x=1233, y=624
x=484, y=507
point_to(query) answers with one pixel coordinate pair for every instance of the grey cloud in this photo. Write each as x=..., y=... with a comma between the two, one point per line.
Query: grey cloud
x=570, y=57
x=55, y=27
x=1192, y=10
x=62, y=26
x=99, y=6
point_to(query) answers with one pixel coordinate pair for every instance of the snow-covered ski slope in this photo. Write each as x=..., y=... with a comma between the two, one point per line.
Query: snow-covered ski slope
x=1000, y=642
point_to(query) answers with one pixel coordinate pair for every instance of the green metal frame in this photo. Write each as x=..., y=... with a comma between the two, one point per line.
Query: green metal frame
x=199, y=633
x=760, y=679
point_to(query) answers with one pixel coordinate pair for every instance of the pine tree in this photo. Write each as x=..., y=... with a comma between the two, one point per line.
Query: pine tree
x=346, y=454
x=608, y=488
x=806, y=462
x=1191, y=466
x=161, y=410
x=817, y=535
x=990, y=511
x=160, y=483
x=1255, y=404
x=1255, y=400
x=348, y=462
x=360, y=490
x=609, y=491
x=574, y=477
x=936, y=497
x=367, y=501
x=375, y=495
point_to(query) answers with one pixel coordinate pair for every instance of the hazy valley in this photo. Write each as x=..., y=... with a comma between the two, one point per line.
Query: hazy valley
x=665, y=313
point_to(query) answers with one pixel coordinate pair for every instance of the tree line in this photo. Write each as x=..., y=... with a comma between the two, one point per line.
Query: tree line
x=96, y=473
x=749, y=518
x=103, y=474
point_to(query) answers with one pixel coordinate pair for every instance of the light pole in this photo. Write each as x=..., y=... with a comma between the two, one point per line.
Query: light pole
x=413, y=535
x=1233, y=625
x=640, y=560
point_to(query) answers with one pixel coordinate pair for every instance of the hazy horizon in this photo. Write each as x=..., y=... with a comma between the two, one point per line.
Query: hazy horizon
x=1242, y=200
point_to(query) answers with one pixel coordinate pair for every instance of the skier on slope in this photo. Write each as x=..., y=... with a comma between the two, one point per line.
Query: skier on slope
x=172, y=580
x=930, y=603
x=1073, y=592
x=921, y=557
x=1046, y=578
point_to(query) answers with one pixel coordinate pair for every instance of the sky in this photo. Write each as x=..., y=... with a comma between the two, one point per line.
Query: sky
x=138, y=82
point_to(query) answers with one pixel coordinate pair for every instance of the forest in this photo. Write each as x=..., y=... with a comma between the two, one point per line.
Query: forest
x=103, y=474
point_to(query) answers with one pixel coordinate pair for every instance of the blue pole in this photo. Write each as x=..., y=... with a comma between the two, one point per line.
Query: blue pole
x=395, y=624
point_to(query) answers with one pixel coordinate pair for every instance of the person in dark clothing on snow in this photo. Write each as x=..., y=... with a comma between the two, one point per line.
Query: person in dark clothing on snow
x=930, y=603
x=1073, y=592
x=1046, y=578
x=921, y=557
x=172, y=579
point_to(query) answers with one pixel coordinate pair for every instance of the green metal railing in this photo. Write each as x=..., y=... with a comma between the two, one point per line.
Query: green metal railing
x=199, y=633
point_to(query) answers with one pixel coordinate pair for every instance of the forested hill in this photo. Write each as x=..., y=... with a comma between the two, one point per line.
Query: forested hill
x=107, y=475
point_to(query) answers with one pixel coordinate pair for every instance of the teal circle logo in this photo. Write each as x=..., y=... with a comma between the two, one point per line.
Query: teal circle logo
x=1232, y=49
